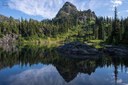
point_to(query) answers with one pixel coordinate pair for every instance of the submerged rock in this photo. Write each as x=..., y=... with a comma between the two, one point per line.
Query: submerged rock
x=116, y=51
x=78, y=50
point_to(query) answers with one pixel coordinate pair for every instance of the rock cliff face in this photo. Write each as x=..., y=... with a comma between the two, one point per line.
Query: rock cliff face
x=69, y=10
x=7, y=19
x=3, y=18
x=8, y=38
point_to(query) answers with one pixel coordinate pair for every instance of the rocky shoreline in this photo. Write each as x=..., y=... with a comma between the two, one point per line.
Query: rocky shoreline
x=78, y=50
x=116, y=51
x=84, y=51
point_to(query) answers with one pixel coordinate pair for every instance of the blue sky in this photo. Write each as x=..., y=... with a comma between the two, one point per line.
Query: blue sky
x=43, y=9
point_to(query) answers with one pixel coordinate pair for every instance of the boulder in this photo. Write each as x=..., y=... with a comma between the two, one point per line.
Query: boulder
x=78, y=50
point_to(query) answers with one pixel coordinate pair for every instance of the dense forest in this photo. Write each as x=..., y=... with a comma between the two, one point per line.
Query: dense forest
x=71, y=23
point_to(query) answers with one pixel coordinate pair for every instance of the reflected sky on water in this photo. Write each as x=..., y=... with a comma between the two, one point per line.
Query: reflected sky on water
x=30, y=65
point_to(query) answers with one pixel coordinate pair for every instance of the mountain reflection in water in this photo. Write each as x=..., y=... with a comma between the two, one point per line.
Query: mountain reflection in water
x=42, y=65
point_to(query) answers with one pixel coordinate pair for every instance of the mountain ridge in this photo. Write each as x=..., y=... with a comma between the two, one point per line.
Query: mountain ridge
x=69, y=10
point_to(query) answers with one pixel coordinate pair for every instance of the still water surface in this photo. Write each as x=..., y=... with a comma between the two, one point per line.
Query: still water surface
x=42, y=65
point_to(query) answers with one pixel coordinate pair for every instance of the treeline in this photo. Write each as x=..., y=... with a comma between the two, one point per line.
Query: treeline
x=107, y=29
x=111, y=30
x=33, y=28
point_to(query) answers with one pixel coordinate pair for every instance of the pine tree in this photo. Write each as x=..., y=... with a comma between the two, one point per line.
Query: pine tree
x=115, y=35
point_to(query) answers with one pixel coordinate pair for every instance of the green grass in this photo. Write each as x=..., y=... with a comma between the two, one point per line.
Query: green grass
x=95, y=43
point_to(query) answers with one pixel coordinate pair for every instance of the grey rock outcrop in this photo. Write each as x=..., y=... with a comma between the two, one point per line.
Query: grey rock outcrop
x=8, y=38
x=78, y=50
x=67, y=9
x=70, y=12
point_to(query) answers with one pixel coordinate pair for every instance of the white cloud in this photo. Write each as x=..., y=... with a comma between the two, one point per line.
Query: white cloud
x=47, y=75
x=119, y=81
x=126, y=10
x=44, y=8
x=116, y=2
x=49, y=8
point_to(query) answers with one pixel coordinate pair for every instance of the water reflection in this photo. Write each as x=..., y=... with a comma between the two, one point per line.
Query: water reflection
x=49, y=75
x=58, y=70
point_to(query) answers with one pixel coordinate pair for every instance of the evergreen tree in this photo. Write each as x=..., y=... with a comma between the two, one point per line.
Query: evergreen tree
x=115, y=35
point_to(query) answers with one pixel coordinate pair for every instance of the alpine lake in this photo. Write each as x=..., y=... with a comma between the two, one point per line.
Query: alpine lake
x=43, y=65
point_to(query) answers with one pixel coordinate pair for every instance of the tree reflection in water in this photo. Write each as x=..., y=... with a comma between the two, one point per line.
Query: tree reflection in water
x=69, y=69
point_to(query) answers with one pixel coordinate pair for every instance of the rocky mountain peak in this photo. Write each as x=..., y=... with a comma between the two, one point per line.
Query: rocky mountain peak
x=68, y=4
x=70, y=12
x=67, y=9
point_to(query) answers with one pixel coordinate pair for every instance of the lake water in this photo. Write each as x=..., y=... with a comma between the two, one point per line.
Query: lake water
x=43, y=65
